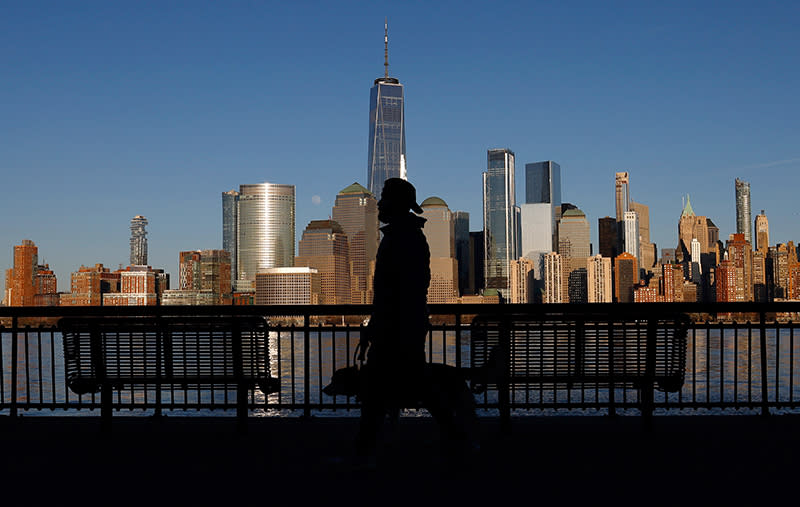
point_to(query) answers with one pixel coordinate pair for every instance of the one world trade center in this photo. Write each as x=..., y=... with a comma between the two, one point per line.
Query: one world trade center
x=387, y=132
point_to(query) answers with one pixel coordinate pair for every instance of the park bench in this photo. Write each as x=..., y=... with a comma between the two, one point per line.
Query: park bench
x=104, y=354
x=578, y=351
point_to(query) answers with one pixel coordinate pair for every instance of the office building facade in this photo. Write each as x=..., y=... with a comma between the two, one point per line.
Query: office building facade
x=264, y=223
x=439, y=230
x=499, y=219
x=288, y=286
x=356, y=211
x=461, y=229
x=607, y=237
x=538, y=230
x=647, y=250
x=230, y=217
x=574, y=239
x=387, y=130
x=543, y=186
x=477, y=250
x=324, y=247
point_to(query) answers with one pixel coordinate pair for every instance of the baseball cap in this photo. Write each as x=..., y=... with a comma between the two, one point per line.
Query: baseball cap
x=403, y=191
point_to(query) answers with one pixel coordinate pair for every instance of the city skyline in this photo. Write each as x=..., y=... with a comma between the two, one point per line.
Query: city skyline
x=682, y=112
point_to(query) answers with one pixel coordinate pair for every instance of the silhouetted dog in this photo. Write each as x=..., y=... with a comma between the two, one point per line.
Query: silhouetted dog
x=444, y=393
x=344, y=382
x=443, y=377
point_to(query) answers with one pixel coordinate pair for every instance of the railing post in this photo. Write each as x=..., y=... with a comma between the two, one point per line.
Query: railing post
x=14, y=353
x=648, y=386
x=763, y=345
x=238, y=372
x=97, y=348
x=612, y=402
x=458, y=340
x=306, y=365
x=503, y=391
x=160, y=335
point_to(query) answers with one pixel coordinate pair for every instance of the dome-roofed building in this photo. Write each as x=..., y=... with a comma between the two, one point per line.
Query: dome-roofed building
x=433, y=201
x=439, y=230
x=355, y=188
x=356, y=210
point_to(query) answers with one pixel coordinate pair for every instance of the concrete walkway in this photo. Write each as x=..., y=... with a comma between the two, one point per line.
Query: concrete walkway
x=569, y=460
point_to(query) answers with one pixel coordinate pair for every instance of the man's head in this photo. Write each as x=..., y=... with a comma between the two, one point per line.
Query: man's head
x=398, y=196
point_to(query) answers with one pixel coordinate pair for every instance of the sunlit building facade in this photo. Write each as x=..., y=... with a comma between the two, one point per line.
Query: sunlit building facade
x=439, y=230
x=598, y=279
x=553, y=283
x=743, y=215
x=356, y=211
x=88, y=284
x=265, y=222
x=542, y=204
x=204, y=276
x=324, y=247
x=499, y=219
x=288, y=286
x=626, y=277
x=387, y=130
x=138, y=241
x=29, y=283
x=622, y=200
x=762, y=233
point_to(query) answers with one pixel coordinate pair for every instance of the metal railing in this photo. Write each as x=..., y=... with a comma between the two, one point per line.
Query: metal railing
x=741, y=357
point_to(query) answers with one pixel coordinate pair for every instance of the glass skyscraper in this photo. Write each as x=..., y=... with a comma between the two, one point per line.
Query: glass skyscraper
x=387, y=132
x=499, y=219
x=230, y=217
x=743, y=209
x=543, y=183
x=542, y=203
x=264, y=225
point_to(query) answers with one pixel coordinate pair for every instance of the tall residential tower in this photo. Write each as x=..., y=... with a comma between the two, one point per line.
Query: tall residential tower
x=138, y=241
x=743, y=209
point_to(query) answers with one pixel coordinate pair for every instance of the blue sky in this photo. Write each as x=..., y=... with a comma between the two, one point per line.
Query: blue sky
x=113, y=109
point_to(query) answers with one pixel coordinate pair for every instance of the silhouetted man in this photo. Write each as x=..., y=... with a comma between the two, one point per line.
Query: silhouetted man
x=399, y=323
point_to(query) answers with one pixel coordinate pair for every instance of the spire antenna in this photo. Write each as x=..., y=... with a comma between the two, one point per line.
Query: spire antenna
x=386, y=47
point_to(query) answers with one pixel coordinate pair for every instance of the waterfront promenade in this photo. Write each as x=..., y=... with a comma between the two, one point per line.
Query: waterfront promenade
x=546, y=460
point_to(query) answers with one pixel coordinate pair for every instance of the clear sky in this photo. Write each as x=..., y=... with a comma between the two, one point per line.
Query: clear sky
x=113, y=109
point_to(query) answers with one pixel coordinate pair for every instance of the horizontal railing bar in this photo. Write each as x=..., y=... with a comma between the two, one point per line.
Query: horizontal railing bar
x=638, y=310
